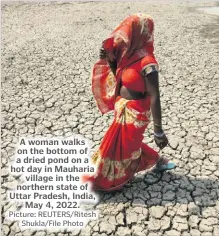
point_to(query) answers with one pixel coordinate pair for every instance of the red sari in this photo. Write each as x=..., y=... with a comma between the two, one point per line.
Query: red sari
x=122, y=153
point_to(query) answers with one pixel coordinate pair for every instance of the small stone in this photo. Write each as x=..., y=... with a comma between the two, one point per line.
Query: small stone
x=193, y=221
x=154, y=234
x=210, y=136
x=21, y=114
x=211, y=221
x=174, y=143
x=5, y=229
x=216, y=230
x=214, y=158
x=120, y=218
x=138, y=210
x=182, y=133
x=85, y=231
x=157, y=211
x=138, y=202
x=48, y=104
x=106, y=227
x=41, y=108
x=215, y=151
x=205, y=129
x=137, y=230
x=154, y=224
x=4, y=172
x=47, y=124
x=182, y=210
x=169, y=196
x=58, y=133
x=67, y=107
x=123, y=231
x=40, y=233
x=185, y=234
x=35, y=116
x=171, y=213
x=209, y=212
x=193, y=209
x=39, y=129
x=204, y=226
x=195, y=232
x=27, y=232
x=30, y=120
x=206, y=234
x=131, y=216
x=180, y=223
x=165, y=223
x=172, y=233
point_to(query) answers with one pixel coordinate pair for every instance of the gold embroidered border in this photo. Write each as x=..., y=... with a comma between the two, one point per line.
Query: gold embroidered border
x=109, y=165
x=129, y=115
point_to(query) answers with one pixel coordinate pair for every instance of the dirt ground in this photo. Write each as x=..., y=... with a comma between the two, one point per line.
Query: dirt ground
x=48, y=50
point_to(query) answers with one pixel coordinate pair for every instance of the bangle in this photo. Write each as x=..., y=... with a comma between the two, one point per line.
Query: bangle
x=159, y=135
x=160, y=126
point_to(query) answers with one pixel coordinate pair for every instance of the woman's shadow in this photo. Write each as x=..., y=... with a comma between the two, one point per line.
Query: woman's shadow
x=166, y=188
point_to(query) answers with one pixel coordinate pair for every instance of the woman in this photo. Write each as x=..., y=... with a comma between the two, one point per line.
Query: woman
x=126, y=79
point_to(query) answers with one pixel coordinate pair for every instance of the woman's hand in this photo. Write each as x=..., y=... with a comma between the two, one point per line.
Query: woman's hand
x=161, y=140
x=112, y=64
x=103, y=54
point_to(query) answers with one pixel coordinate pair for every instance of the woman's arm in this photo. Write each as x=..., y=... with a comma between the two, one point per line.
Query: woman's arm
x=113, y=66
x=152, y=83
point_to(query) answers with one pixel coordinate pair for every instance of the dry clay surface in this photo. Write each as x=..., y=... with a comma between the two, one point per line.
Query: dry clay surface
x=47, y=55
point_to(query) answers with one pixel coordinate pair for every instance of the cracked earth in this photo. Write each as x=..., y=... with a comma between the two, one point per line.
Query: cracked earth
x=47, y=55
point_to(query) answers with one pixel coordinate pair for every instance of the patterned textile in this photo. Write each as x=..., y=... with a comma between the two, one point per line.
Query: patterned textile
x=131, y=41
x=122, y=153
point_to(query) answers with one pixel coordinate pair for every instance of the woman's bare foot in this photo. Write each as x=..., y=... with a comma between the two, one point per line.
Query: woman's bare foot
x=163, y=164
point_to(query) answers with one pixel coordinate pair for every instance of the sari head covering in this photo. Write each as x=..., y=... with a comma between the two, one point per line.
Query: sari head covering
x=132, y=40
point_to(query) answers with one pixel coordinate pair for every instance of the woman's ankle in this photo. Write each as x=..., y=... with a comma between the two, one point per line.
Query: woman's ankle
x=162, y=161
